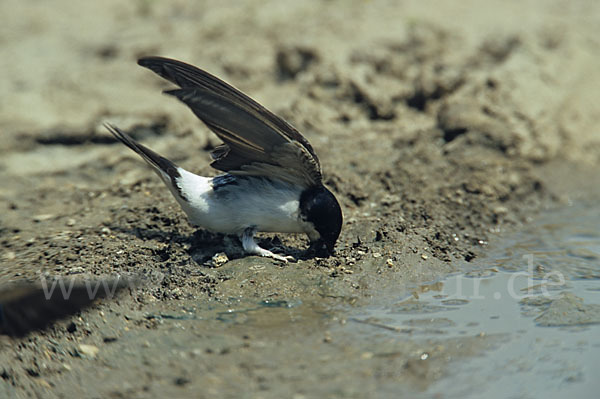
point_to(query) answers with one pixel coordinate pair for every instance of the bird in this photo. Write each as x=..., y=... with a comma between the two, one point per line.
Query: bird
x=272, y=180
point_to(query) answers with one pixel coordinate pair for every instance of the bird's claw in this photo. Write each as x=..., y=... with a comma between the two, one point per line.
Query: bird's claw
x=251, y=247
x=281, y=258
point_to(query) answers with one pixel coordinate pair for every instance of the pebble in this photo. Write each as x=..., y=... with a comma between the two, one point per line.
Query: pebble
x=181, y=381
x=90, y=351
x=500, y=210
x=196, y=352
x=42, y=217
x=424, y=257
x=43, y=383
x=76, y=270
x=219, y=259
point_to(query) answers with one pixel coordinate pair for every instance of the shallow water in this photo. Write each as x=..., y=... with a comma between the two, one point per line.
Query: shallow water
x=537, y=292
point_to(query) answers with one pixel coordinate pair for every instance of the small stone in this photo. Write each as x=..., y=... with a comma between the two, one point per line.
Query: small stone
x=42, y=217
x=500, y=210
x=90, y=351
x=196, y=352
x=487, y=190
x=43, y=383
x=181, y=381
x=219, y=259
x=72, y=327
x=376, y=255
x=389, y=262
x=424, y=257
x=71, y=222
x=76, y=270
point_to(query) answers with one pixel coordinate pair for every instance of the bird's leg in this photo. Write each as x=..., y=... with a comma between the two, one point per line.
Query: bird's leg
x=251, y=247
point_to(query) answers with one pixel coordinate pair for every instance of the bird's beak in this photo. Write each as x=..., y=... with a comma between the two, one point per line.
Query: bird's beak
x=321, y=249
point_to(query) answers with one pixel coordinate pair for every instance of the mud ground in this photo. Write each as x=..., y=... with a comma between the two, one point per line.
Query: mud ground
x=438, y=127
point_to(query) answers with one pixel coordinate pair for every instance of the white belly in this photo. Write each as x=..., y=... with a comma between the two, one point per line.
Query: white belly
x=232, y=208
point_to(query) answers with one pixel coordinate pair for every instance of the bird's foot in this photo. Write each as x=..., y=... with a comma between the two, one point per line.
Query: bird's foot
x=281, y=258
x=251, y=247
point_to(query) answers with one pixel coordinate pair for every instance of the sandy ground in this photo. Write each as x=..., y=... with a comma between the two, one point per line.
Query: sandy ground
x=439, y=126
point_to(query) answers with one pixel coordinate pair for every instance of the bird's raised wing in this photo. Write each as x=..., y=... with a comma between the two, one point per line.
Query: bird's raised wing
x=256, y=142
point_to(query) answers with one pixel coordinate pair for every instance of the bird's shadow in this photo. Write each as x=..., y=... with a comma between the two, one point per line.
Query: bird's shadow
x=203, y=245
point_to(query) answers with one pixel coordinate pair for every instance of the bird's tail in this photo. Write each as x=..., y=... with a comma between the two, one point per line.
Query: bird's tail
x=167, y=170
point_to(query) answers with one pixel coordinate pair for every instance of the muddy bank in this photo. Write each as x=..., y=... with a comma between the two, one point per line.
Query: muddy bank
x=437, y=129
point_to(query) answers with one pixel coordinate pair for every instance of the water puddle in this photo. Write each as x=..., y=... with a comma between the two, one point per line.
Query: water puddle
x=538, y=293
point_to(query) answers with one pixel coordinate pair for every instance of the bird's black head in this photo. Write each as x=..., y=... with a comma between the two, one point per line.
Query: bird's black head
x=319, y=207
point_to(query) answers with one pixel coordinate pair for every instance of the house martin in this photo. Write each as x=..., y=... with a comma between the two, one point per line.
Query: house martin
x=272, y=182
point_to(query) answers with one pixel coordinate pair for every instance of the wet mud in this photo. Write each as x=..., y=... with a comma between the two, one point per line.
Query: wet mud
x=438, y=129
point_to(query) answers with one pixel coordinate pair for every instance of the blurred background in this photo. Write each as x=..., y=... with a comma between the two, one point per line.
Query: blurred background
x=71, y=64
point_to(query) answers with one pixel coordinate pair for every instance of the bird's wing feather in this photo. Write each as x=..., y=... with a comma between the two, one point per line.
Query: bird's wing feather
x=257, y=141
